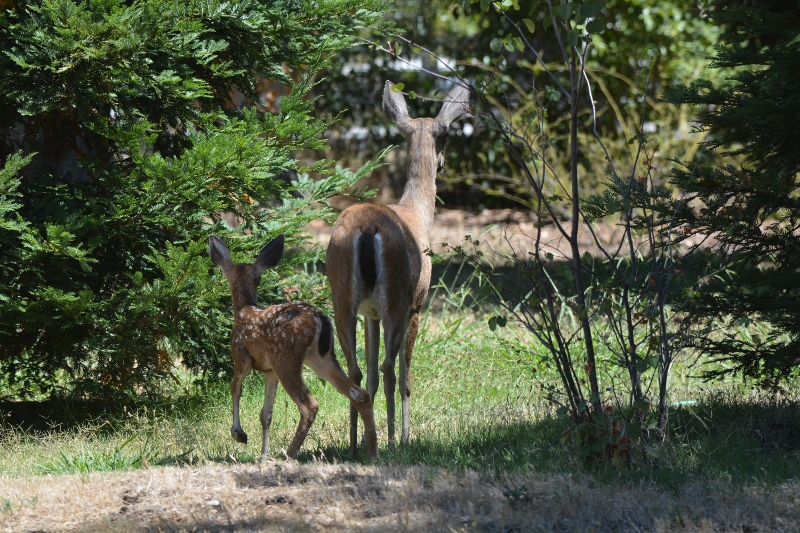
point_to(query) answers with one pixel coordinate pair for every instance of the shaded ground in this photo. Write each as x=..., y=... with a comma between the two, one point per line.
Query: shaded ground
x=350, y=497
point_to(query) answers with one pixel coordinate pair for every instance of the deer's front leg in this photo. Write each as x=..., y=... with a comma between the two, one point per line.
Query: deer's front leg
x=405, y=376
x=241, y=366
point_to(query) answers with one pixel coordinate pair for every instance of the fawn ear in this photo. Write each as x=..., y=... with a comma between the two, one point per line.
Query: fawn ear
x=456, y=106
x=394, y=105
x=269, y=256
x=220, y=254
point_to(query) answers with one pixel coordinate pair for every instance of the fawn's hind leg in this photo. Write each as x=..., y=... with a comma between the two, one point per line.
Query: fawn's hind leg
x=328, y=369
x=308, y=406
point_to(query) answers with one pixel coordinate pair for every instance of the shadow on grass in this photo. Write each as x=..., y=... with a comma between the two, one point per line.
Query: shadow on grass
x=719, y=438
x=54, y=415
x=739, y=441
x=510, y=447
x=716, y=440
x=58, y=415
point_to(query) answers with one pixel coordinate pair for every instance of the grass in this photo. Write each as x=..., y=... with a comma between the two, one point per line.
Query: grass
x=482, y=457
x=475, y=405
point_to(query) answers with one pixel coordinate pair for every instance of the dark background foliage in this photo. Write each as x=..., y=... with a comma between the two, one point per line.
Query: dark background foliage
x=484, y=47
x=751, y=208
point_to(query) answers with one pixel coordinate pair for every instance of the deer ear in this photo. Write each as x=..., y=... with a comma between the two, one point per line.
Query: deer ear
x=269, y=256
x=220, y=254
x=456, y=106
x=394, y=105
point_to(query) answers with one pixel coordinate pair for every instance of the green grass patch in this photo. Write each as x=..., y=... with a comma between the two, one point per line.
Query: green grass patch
x=477, y=403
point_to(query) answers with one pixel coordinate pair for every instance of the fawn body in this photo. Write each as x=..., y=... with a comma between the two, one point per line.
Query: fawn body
x=278, y=340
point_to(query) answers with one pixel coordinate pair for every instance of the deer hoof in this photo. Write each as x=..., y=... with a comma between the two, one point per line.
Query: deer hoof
x=239, y=436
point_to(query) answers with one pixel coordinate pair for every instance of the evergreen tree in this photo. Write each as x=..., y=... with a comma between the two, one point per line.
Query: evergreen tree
x=120, y=150
x=752, y=210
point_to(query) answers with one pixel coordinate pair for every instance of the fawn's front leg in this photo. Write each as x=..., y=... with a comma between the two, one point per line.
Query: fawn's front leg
x=270, y=388
x=241, y=367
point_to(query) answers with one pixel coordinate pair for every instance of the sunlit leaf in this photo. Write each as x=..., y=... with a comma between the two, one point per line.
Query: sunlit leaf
x=529, y=24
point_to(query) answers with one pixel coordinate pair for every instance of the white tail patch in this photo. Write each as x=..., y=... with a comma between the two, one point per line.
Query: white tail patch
x=378, y=258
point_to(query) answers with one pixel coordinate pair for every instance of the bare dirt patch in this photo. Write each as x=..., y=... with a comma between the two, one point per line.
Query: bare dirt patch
x=349, y=497
x=504, y=231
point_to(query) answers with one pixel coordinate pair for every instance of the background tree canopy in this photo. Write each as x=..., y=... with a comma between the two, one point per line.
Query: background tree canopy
x=483, y=46
x=127, y=130
x=121, y=147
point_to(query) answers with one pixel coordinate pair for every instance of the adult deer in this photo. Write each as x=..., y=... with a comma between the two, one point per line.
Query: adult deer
x=277, y=340
x=377, y=263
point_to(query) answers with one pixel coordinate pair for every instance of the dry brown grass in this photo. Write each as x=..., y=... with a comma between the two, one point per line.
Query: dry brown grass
x=345, y=497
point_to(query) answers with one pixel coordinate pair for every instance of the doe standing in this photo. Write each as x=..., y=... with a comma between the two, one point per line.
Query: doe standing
x=377, y=263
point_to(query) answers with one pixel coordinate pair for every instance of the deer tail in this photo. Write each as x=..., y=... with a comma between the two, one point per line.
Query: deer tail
x=367, y=258
x=325, y=335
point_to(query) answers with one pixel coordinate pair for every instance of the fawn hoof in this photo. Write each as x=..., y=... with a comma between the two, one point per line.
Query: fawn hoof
x=239, y=435
x=358, y=395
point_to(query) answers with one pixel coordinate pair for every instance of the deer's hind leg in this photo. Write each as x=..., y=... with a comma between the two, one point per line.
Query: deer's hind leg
x=372, y=341
x=292, y=382
x=270, y=389
x=345, y=320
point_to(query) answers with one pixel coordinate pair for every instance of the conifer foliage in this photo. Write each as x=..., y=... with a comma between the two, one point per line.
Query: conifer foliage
x=121, y=145
x=752, y=210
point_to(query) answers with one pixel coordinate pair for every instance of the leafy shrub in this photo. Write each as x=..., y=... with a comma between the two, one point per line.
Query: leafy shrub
x=121, y=150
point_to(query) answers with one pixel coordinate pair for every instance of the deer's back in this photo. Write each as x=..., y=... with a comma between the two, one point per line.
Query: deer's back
x=398, y=260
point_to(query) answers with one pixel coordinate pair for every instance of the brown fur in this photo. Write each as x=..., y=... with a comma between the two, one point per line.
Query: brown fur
x=277, y=341
x=402, y=270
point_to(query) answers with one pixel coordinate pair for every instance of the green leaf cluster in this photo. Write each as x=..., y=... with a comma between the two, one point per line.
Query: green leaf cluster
x=129, y=131
x=751, y=208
